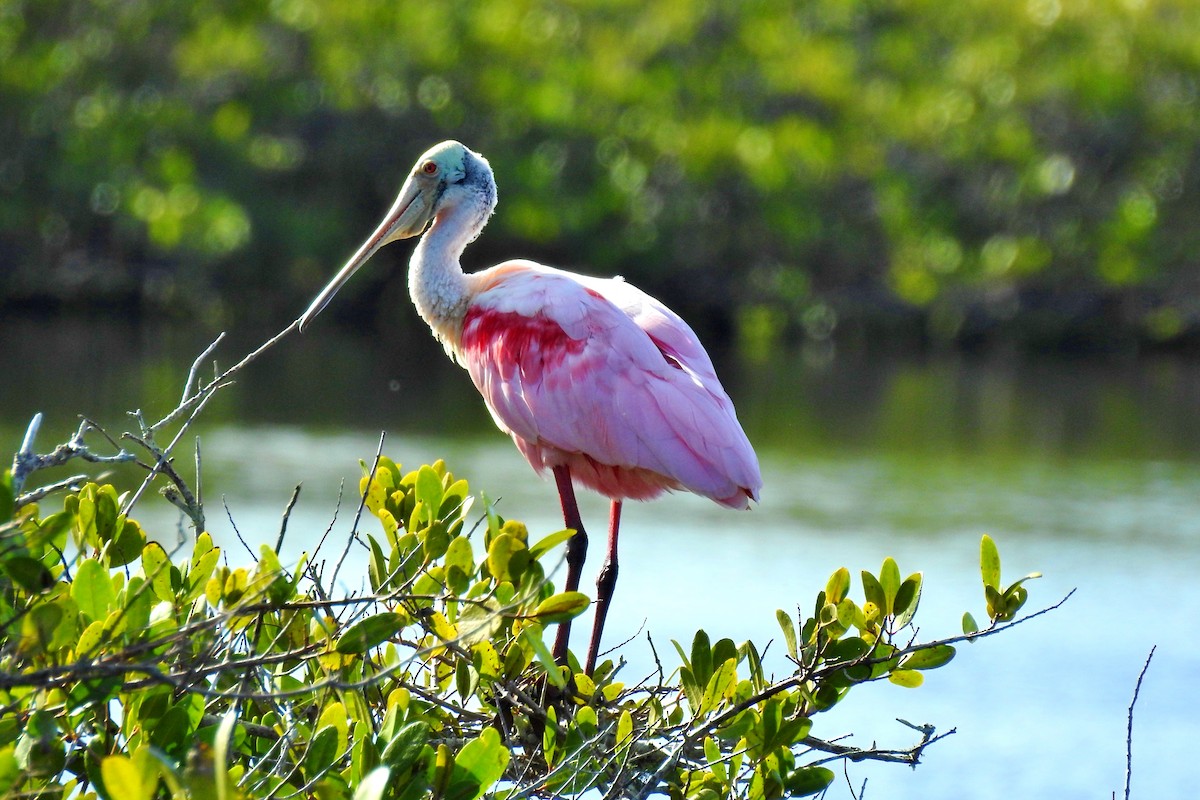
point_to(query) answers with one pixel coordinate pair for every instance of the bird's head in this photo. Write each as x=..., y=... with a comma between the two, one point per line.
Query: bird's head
x=447, y=176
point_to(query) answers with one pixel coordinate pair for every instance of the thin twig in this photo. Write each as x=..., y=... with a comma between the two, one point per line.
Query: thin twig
x=362, y=503
x=199, y=482
x=1129, y=724
x=220, y=380
x=40, y=492
x=287, y=513
x=190, y=384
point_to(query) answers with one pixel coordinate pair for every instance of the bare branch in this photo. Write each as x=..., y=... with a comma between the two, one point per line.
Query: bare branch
x=26, y=461
x=1129, y=724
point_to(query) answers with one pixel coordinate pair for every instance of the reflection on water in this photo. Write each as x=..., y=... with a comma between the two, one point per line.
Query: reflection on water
x=1087, y=471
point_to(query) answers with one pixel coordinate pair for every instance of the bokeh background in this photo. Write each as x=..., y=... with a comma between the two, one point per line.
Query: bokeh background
x=968, y=173
x=945, y=254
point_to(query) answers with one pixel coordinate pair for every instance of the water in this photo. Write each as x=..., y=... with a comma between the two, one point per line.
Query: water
x=1088, y=472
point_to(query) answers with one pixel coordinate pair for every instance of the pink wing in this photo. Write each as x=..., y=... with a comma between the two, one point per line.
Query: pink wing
x=597, y=375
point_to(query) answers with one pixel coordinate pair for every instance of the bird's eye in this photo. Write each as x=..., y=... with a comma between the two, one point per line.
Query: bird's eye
x=429, y=168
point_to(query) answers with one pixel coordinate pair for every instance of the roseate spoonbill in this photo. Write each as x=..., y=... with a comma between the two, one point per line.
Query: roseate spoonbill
x=592, y=378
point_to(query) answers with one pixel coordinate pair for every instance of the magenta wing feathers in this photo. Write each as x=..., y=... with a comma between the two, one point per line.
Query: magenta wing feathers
x=601, y=377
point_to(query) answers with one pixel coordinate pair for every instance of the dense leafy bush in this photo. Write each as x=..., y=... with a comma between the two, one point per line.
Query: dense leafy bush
x=132, y=672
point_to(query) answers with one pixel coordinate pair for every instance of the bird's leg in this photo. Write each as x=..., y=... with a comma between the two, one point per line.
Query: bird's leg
x=605, y=584
x=576, y=553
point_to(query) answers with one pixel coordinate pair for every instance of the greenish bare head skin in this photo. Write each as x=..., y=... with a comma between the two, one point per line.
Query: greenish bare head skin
x=447, y=174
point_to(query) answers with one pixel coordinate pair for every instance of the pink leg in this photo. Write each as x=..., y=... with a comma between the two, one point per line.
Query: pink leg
x=605, y=584
x=576, y=553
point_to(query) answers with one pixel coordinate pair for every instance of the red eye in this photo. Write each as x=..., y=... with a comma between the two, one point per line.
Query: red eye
x=429, y=168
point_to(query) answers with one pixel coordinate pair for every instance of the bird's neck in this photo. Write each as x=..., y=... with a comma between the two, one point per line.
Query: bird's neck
x=435, y=277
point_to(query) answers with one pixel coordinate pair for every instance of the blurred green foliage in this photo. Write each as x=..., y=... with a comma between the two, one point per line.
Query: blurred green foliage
x=820, y=167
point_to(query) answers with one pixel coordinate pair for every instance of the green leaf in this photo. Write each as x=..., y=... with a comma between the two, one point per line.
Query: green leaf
x=808, y=781
x=702, y=664
x=90, y=639
x=203, y=546
x=989, y=562
x=28, y=573
x=849, y=649
x=405, y=747
x=908, y=678
x=10, y=769
x=996, y=606
x=712, y=755
x=335, y=715
x=480, y=621
x=746, y=650
x=156, y=566
x=429, y=489
x=889, y=581
x=533, y=637
x=624, y=729
x=561, y=607
x=848, y=614
x=106, y=512
x=838, y=585
x=724, y=650
x=478, y=766
x=201, y=570
x=466, y=679
x=322, y=749
x=172, y=732
x=127, y=546
x=928, y=657
x=969, y=626
x=908, y=597
x=789, y=633
x=137, y=600
x=1014, y=598
x=436, y=540
x=7, y=498
x=374, y=785
x=377, y=566
x=92, y=590
x=720, y=686
x=503, y=560
x=53, y=530
x=85, y=516
x=873, y=591
x=460, y=563
x=122, y=779
x=548, y=543
x=369, y=632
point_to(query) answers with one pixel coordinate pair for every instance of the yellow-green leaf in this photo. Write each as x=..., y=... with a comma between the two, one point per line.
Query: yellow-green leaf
x=92, y=590
x=550, y=542
x=624, y=728
x=334, y=715
x=369, y=632
x=889, y=581
x=156, y=566
x=479, y=764
x=989, y=562
x=90, y=639
x=122, y=779
x=561, y=607
x=929, y=657
x=908, y=678
x=789, y=632
x=838, y=585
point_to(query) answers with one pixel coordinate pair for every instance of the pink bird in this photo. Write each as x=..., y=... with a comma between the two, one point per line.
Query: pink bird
x=592, y=378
